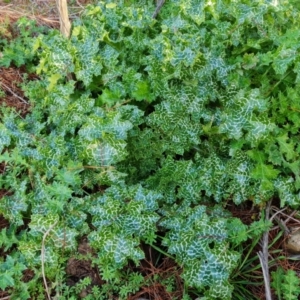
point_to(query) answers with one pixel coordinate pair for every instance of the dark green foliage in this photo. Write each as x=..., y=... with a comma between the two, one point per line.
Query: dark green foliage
x=139, y=126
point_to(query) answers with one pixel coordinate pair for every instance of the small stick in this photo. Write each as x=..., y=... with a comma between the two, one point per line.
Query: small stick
x=265, y=269
x=159, y=5
x=13, y=93
x=65, y=25
x=43, y=258
x=79, y=4
x=290, y=217
x=282, y=225
x=263, y=256
x=278, y=212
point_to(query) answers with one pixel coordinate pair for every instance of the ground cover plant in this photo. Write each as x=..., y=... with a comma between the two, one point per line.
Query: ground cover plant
x=140, y=132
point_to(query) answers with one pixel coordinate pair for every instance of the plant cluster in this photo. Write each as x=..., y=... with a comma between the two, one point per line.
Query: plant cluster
x=286, y=284
x=140, y=131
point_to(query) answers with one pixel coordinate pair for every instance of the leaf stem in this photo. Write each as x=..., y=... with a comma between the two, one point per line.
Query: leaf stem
x=277, y=83
x=263, y=256
x=162, y=251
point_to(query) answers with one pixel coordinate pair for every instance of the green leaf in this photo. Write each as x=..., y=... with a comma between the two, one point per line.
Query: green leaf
x=286, y=147
x=249, y=61
x=10, y=269
x=53, y=79
x=111, y=5
x=8, y=238
x=6, y=280
x=142, y=91
x=262, y=171
x=286, y=190
x=291, y=285
x=237, y=231
x=109, y=98
x=277, y=280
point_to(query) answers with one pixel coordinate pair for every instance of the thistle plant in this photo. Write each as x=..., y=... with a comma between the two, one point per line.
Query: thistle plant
x=141, y=130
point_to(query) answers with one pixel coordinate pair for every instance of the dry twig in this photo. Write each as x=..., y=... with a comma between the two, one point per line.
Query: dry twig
x=277, y=212
x=43, y=259
x=13, y=93
x=282, y=224
x=159, y=5
x=263, y=256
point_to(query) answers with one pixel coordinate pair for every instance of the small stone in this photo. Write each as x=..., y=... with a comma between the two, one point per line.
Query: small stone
x=293, y=242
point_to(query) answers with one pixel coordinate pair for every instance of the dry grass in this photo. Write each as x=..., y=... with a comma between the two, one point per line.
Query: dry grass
x=43, y=11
